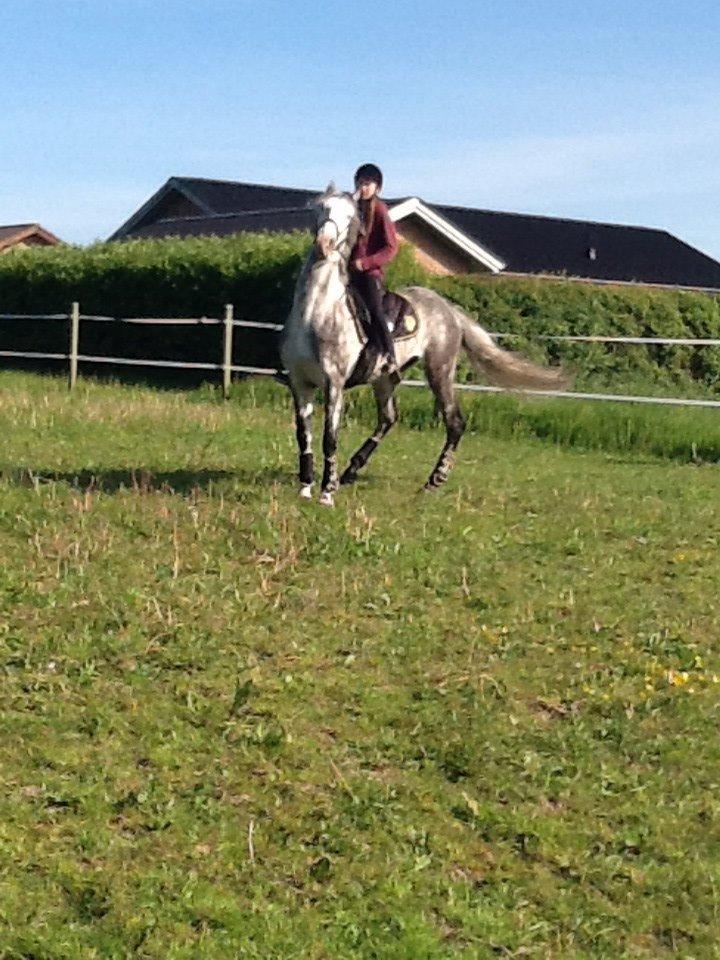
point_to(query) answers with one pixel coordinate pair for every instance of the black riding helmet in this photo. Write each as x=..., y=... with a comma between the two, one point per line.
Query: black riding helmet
x=368, y=171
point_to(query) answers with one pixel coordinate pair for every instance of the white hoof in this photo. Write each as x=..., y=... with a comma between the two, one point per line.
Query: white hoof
x=327, y=499
x=306, y=492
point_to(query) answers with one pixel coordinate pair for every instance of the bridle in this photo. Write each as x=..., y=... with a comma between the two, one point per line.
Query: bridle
x=341, y=236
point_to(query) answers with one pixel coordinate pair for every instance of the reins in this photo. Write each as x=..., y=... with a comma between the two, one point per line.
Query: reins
x=340, y=238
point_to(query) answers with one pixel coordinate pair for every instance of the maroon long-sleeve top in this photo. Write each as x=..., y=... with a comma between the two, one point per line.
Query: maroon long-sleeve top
x=377, y=248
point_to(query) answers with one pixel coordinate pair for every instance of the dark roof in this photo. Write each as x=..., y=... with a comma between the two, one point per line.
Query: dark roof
x=528, y=244
x=273, y=221
x=227, y=196
x=534, y=244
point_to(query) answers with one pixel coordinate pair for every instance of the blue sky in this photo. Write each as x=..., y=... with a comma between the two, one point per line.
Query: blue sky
x=605, y=110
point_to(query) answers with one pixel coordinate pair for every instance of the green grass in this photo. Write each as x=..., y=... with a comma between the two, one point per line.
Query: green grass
x=686, y=434
x=475, y=724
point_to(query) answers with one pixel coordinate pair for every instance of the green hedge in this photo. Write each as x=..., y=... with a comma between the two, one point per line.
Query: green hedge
x=156, y=277
x=539, y=307
x=256, y=273
x=190, y=277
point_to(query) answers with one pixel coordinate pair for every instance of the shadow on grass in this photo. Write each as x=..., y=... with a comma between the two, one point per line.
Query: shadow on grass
x=145, y=479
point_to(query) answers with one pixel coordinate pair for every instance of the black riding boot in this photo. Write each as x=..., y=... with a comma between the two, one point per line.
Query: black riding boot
x=371, y=290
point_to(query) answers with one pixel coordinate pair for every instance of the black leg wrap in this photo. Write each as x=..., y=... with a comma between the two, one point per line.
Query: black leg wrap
x=358, y=460
x=306, y=468
x=363, y=455
x=443, y=467
x=436, y=480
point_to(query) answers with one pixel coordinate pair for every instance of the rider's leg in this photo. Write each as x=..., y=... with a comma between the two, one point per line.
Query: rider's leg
x=371, y=290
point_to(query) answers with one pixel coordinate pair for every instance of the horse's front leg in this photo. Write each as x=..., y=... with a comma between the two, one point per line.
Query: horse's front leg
x=303, y=430
x=333, y=412
x=387, y=416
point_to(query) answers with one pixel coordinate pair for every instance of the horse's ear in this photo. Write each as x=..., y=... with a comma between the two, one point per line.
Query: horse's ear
x=330, y=191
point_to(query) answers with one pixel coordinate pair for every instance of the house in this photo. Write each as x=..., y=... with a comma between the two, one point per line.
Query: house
x=447, y=239
x=21, y=235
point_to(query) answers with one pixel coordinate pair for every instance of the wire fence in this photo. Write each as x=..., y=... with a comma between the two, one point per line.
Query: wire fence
x=74, y=357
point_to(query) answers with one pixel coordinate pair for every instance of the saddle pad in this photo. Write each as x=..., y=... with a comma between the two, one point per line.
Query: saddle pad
x=400, y=314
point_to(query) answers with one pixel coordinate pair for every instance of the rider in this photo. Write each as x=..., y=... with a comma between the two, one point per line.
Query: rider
x=375, y=248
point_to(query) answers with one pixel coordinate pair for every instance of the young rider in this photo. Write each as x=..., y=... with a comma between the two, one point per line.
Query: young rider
x=375, y=248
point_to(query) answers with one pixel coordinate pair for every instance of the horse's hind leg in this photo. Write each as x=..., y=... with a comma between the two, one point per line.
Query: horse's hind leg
x=302, y=395
x=387, y=416
x=441, y=382
x=333, y=412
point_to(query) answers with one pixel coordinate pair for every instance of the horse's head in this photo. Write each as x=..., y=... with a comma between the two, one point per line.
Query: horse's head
x=337, y=223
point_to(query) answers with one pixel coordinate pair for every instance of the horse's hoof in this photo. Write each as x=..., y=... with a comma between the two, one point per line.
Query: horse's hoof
x=306, y=492
x=327, y=499
x=430, y=487
x=348, y=477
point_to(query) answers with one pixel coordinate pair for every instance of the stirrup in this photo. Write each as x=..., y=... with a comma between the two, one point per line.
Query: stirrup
x=392, y=371
x=389, y=364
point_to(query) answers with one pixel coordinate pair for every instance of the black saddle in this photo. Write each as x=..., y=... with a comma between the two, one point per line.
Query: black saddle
x=401, y=321
x=401, y=318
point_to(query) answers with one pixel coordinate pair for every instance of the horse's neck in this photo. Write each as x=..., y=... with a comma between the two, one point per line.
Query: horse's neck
x=321, y=287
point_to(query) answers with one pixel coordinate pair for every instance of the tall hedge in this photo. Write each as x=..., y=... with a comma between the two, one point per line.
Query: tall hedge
x=256, y=272
x=532, y=308
x=167, y=278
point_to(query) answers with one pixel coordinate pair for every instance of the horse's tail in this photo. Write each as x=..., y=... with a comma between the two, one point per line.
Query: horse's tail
x=503, y=368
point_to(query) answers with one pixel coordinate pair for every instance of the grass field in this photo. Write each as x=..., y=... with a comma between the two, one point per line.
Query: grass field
x=480, y=723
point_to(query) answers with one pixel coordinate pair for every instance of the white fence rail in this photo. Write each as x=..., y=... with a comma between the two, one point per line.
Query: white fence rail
x=678, y=342
x=74, y=318
x=228, y=321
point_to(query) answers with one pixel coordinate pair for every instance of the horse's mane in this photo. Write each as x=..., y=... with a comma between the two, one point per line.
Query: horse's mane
x=331, y=192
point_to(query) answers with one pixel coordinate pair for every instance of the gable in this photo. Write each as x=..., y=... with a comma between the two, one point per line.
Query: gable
x=25, y=235
x=228, y=196
x=186, y=197
x=441, y=239
x=434, y=252
x=171, y=205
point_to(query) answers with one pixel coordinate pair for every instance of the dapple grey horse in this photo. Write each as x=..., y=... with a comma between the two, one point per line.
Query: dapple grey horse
x=321, y=344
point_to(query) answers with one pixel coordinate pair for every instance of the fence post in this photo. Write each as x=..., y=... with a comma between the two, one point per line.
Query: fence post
x=227, y=349
x=74, y=341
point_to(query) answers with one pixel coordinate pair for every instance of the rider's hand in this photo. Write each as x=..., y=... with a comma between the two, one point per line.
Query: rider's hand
x=357, y=264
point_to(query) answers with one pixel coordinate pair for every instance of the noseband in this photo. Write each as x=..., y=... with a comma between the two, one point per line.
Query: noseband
x=341, y=237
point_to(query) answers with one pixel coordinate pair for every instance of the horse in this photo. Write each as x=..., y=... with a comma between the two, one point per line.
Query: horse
x=324, y=347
